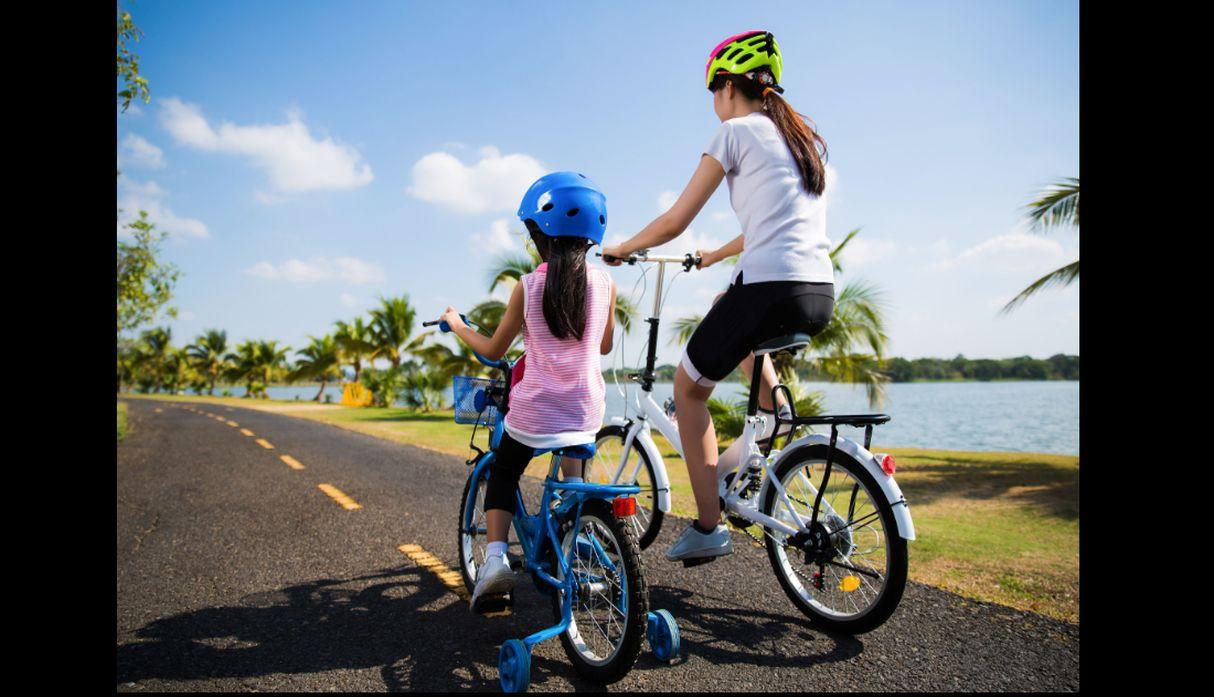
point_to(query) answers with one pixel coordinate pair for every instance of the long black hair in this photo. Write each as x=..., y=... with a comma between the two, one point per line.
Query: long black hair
x=565, y=285
x=807, y=147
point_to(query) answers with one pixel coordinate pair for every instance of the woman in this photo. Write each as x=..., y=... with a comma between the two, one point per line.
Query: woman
x=774, y=163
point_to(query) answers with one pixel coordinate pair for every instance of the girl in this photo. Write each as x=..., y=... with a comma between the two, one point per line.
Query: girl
x=566, y=313
x=784, y=280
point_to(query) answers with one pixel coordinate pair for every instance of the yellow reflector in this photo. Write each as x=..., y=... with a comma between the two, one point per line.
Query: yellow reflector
x=849, y=584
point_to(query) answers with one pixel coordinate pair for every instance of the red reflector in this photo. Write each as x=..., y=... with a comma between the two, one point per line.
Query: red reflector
x=889, y=464
x=624, y=506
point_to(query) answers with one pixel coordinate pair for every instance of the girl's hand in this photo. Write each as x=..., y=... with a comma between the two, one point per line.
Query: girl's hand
x=614, y=251
x=708, y=257
x=452, y=318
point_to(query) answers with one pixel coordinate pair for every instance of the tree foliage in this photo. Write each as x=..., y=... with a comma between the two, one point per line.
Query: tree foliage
x=144, y=282
x=132, y=84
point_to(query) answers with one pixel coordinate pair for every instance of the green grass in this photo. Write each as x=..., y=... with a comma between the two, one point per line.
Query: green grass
x=995, y=526
x=121, y=420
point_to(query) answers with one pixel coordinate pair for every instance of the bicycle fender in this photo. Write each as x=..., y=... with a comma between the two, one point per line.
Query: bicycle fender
x=889, y=487
x=651, y=450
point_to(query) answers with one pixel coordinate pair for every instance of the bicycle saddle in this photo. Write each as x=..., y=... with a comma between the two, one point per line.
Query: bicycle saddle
x=788, y=342
x=576, y=452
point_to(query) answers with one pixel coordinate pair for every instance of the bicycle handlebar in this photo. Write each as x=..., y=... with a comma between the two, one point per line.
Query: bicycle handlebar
x=688, y=261
x=443, y=327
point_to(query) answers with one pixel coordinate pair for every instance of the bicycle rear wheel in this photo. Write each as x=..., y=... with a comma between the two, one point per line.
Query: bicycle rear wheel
x=609, y=446
x=852, y=578
x=610, y=597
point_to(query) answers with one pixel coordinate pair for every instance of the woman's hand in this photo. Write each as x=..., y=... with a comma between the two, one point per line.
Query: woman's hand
x=452, y=318
x=708, y=257
x=615, y=251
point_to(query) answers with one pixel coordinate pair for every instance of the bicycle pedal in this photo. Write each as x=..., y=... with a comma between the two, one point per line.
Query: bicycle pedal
x=491, y=604
x=739, y=523
x=698, y=561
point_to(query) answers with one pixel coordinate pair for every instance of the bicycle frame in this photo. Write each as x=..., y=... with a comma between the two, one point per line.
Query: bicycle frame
x=536, y=531
x=638, y=434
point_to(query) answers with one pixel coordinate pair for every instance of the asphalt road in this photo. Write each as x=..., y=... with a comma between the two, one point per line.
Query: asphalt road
x=236, y=572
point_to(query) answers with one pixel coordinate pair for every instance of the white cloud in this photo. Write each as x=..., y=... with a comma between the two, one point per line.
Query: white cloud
x=293, y=159
x=493, y=183
x=141, y=152
x=345, y=269
x=720, y=215
x=348, y=300
x=666, y=199
x=689, y=241
x=149, y=197
x=1014, y=251
x=861, y=251
x=497, y=239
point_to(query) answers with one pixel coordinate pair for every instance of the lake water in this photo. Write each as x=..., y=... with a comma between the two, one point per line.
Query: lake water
x=1039, y=417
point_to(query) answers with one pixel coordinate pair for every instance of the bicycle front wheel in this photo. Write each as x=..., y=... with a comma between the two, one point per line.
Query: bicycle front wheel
x=609, y=448
x=472, y=532
x=610, y=599
x=846, y=570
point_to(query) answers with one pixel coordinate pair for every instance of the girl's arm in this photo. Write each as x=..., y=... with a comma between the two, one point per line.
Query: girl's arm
x=609, y=335
x=491, y=347
x=673, y=222
x=708, y=257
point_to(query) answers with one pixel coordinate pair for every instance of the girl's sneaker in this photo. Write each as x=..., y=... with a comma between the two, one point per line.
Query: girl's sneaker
x=694, y=547
x=494, y=583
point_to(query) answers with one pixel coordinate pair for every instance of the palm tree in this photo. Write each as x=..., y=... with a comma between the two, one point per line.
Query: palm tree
x=153, y=354
x=319, y=362
x=355, y=341
x=391, y=325
x=242, y=364
x=208, y=351
x=271, y=360
x=1056, y=206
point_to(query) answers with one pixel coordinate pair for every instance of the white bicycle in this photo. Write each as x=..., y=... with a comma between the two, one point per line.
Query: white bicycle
x=834, y=521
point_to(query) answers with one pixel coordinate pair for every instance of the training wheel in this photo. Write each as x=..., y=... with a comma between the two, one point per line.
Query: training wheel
x=514, y=666
x=663, y=635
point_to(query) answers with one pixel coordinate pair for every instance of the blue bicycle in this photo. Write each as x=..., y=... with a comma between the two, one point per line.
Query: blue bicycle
x=578, y=548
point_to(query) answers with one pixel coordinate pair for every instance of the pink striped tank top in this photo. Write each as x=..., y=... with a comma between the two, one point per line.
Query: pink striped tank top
x=560, y=400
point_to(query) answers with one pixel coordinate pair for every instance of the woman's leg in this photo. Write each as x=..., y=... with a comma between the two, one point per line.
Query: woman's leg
x=699, y=445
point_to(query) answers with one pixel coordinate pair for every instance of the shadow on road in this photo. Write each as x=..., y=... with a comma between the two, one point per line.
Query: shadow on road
x=406, y=623
x=725, y=634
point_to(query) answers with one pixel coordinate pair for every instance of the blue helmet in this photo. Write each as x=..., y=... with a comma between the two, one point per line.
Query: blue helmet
x=565, y=204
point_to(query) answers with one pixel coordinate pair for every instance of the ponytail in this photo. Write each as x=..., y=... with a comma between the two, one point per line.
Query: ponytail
x=807, y=147
x=565, y=285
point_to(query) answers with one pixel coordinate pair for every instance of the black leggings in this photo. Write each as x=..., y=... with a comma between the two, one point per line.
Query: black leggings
x=746, y=316
x=510, y=459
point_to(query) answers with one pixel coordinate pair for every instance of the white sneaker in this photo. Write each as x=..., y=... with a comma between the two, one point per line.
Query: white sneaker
x=494, y=579
x=693, y=544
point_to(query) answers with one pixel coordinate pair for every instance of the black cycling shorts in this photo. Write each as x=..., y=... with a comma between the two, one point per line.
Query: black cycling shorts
x=749, y=314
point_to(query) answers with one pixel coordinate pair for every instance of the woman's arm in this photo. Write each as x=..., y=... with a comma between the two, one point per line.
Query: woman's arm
x=491, y=347
x=708, y=257
x=673, y=222
x=609, y=334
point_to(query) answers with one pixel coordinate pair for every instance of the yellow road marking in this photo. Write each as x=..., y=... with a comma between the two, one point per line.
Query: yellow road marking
x=291, y=462
x=246, y=431
x=336, y=494
x=264, y=443
x=451, y=578
x=233, y=424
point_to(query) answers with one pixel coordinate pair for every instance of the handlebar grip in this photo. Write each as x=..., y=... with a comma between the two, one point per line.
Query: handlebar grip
x=442, y=324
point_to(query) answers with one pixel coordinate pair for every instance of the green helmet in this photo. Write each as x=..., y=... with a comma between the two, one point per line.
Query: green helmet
x=742, y=53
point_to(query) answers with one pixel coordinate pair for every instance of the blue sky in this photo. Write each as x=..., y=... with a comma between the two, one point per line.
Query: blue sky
x=309, y=157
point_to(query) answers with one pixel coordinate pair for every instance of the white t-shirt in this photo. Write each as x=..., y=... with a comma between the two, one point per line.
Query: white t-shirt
x=784, y=226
